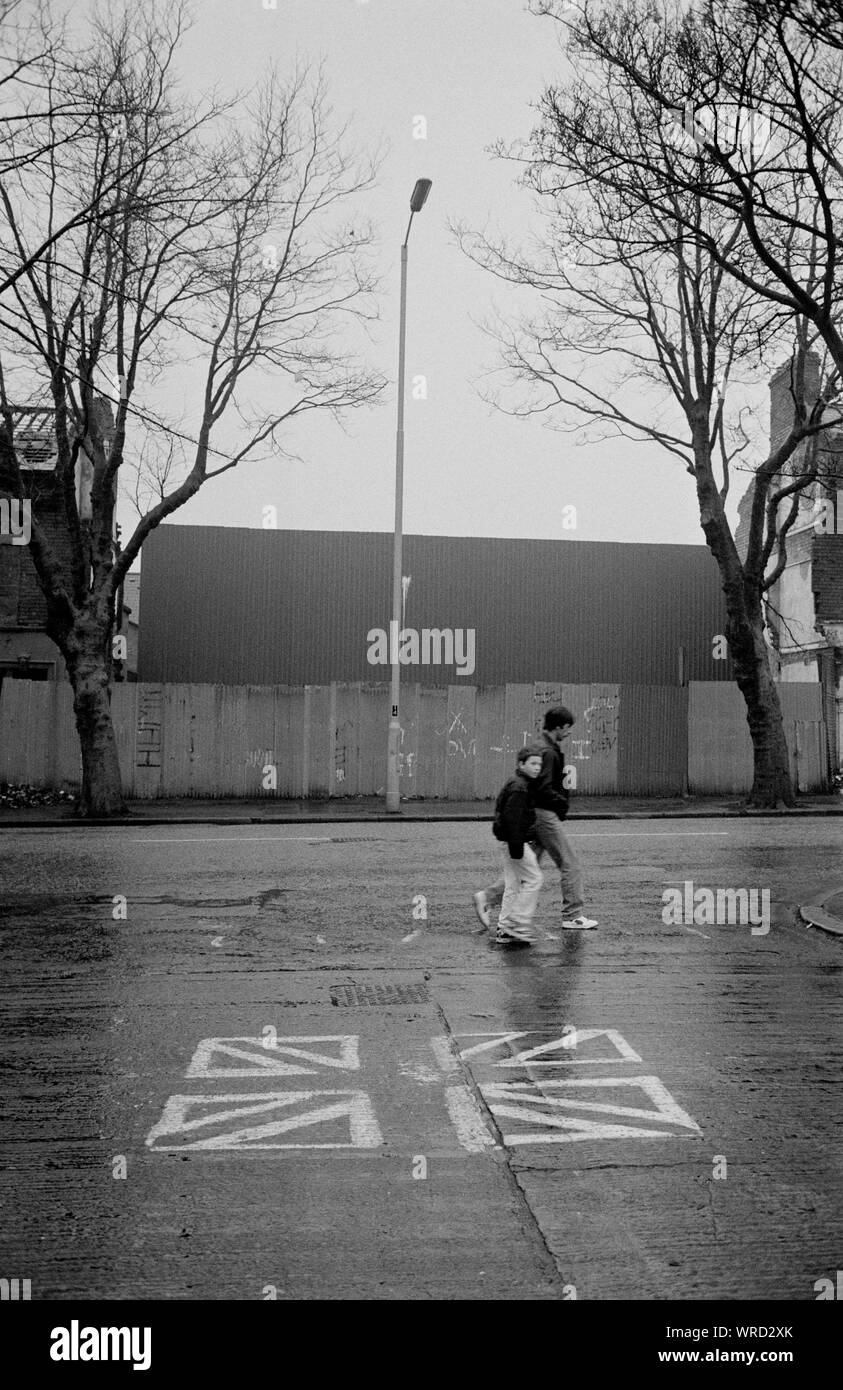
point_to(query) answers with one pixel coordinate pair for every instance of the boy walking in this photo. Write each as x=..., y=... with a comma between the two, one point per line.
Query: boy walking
x=551, y=802
x=514, y=823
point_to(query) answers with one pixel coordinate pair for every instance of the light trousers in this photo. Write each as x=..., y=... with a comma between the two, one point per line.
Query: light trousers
x=522, y=879
x=551, y=838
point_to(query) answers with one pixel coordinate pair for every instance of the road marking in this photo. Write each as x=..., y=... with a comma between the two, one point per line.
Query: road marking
x=265, y=1058
x=420, y=1072
x=327, y=839
x=651, y=834
x=183, y=1115
x=470, y=1124
x=538, y=1056
x=229, y=839
x=467, y=1118
x=446, y=1054
x=542, y=1106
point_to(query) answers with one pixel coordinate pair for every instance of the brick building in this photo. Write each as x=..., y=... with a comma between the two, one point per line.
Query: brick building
x=26, y=652
x=806, y=602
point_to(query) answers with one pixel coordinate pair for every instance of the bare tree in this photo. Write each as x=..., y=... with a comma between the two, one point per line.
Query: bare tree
x=631, y=266
x=757, y=87
x=198, y=245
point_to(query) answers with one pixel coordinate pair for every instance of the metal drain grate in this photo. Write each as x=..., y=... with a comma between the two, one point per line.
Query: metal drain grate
x=360, y=840
x=372, y=995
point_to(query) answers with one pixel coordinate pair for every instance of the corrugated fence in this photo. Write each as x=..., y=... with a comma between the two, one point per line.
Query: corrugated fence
x=458, y=743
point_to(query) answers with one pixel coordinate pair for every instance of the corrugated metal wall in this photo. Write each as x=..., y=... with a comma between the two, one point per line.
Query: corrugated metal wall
x=653, y=740
x=720, y=748
x=233, y=606
x=459, y=742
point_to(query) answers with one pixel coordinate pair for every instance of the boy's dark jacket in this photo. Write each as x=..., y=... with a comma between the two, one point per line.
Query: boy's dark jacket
x=549, y=791
x=514, y=815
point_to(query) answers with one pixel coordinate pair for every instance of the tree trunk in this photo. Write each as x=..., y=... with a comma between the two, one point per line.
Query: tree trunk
x=771, y=785
x=102, y=792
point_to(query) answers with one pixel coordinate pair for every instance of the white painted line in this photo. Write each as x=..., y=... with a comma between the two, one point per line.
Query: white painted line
x=471, y=1125
x=698, y=933
x=570, y=1045
x=183, y=1116
x=327, y=839
x=542, y=1105
x=446, y=1055
x=492, y=1040
x=420, y=1072
x=265, y=1056
x=231, y=839
x=467, y=1118
x=651, y=834
x=538, y=1056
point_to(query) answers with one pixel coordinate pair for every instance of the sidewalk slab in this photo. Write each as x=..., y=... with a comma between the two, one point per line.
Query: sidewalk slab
x=272, y=811
x=825, y=911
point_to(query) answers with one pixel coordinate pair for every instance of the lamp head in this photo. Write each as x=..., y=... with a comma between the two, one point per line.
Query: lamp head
x=418, y=198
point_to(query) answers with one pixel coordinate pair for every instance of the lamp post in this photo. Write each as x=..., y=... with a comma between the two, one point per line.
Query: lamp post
x=417, y=202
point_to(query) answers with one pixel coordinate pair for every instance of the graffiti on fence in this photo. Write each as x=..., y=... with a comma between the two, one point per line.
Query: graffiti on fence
x=150, y=718
x=406, y=761
x=459, y=743
x=260, y=757
x=601, y=721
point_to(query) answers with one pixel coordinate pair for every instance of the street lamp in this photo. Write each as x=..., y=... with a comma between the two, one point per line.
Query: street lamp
x=417, y=202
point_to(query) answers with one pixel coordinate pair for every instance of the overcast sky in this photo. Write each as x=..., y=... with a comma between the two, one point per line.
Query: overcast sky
x=472, y=68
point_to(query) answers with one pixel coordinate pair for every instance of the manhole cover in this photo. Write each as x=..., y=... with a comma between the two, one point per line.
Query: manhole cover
x=357, y=995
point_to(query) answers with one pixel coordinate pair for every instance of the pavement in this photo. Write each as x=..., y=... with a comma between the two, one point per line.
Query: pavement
x=263, y=1062
x=272, y=811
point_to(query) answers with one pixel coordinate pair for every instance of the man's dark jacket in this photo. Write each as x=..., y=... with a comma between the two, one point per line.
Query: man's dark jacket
x=515, y=818
x=549, y=790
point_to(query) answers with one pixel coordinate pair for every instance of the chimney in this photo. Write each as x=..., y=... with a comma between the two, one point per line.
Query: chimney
x=781, y=396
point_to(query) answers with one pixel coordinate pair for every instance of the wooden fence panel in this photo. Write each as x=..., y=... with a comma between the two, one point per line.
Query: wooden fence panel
x=124, y=717
x=653, y=740
x=491, y=764
x=461, y=753
x=519, y=725
x=24, y=713
x=149, y=741
x=408, y=755
x=345, y=774
x=203, y=740
x=320, y=738
x=259, y=736
x=719, y=746
x=720, y=759
x=593, y=743
x=374, y=725
x=431, y=776
x=289, y=741
x=809, y=755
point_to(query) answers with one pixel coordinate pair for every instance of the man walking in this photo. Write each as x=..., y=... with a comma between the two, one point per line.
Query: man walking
x=551, y=801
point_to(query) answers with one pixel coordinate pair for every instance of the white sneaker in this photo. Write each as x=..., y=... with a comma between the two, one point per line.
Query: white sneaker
x=481, y=907
x=580, y=924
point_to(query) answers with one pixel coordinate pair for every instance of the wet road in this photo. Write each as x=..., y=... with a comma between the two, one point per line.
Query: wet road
x=260, y=1062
